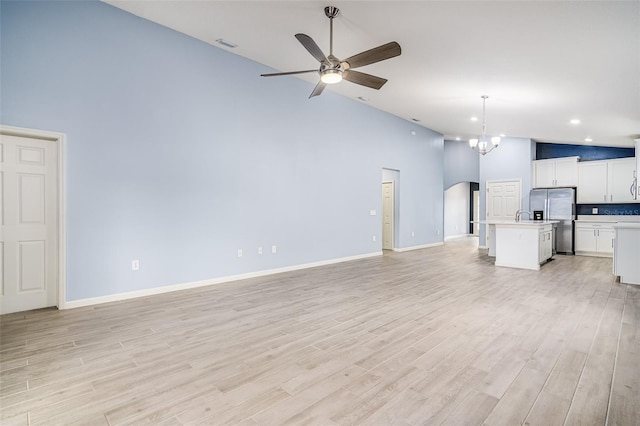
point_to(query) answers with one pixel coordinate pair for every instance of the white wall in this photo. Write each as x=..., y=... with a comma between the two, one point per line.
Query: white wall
x=456, y=210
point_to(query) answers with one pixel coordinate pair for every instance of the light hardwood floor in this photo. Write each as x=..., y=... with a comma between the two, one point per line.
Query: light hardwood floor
x=432, y=336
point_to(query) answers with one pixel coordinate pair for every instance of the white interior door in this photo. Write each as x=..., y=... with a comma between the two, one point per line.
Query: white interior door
x=387, y=216
x=503, y=199
x=29, y=224
x=502, y=203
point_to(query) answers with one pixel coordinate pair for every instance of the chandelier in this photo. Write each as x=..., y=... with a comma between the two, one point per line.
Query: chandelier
x=482, y=144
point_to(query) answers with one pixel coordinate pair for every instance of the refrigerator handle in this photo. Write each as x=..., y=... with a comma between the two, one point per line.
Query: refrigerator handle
x=546, y=208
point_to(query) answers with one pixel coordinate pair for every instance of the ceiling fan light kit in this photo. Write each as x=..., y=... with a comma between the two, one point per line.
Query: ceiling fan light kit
x=481, y=144
x=331, y=76
x=332, y=70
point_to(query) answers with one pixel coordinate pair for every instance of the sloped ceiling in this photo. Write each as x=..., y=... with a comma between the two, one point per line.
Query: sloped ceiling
x=542, y=63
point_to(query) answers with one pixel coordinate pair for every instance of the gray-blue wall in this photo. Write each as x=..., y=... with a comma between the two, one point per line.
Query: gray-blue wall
x=178, y=153
x=461, y=163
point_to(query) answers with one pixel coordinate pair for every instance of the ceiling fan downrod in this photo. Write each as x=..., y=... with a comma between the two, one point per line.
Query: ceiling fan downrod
x=331, y=12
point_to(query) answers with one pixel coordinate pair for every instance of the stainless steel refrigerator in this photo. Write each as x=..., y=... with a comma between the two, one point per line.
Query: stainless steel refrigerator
x=557, y=204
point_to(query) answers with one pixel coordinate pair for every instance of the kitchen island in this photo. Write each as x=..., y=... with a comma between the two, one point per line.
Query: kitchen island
x=526, y=244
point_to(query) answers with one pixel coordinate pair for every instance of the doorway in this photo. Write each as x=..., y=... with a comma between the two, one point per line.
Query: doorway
x=30, y=212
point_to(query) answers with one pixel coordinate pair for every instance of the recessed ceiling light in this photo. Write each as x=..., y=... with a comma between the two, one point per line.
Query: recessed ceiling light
x=474, y=118
x=502, y=135
x=588, y=140
x=226, y=43
x=457, y=138
x=575, y=121
x=363, y=99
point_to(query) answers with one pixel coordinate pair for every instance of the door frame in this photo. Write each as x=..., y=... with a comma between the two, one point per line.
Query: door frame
x=475, y=208
x=393, y=215
x=60, y=140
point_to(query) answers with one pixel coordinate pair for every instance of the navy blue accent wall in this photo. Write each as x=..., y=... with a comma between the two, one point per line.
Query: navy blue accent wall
x=585, y=152
x=590, y=153
x=610, y=209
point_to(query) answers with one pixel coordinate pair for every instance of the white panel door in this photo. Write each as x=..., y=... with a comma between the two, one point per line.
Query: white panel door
x=503, y=199
x=387, y=216
x=29, y=224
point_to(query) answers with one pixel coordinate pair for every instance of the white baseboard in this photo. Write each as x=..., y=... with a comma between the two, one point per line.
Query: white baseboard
x=454, y=237
x=418, y=247
x=195, y=284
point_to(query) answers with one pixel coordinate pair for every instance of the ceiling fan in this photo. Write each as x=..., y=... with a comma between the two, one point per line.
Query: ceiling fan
x=332, y=70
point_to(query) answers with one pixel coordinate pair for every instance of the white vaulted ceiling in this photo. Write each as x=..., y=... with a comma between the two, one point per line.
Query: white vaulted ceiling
x=542, y=63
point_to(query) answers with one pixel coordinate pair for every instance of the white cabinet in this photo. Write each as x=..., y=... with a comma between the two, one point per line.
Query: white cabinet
x=621, y=174
x=545, y=250
x=594, y=239
x=592, y=182
x=607, y=181
x=555, y=172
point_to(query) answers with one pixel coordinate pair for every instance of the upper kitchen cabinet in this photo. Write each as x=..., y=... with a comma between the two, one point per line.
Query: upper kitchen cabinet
x=609, y=181
x=555, y=172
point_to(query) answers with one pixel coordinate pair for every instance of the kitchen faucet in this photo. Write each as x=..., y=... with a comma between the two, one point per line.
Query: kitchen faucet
x=521, y=212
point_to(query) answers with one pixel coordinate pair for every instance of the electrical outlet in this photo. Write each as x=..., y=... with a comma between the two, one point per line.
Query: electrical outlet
x=373, y=238
x=372, y=212
x=239, y=252
x=274, y=249
x=135, y=265
x=413, y=234
x=594, y=210
x=259, y=250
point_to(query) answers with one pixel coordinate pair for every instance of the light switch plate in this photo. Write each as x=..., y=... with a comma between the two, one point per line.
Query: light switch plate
x=372, y=212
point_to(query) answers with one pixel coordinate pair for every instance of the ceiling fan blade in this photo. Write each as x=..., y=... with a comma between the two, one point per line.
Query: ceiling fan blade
x=312, y=47
x=363, y=79
x=275, y=74
x=377, y=54
x=318, y=89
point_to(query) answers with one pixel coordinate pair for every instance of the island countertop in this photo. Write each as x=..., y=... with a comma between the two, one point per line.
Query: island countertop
x=520, y=223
